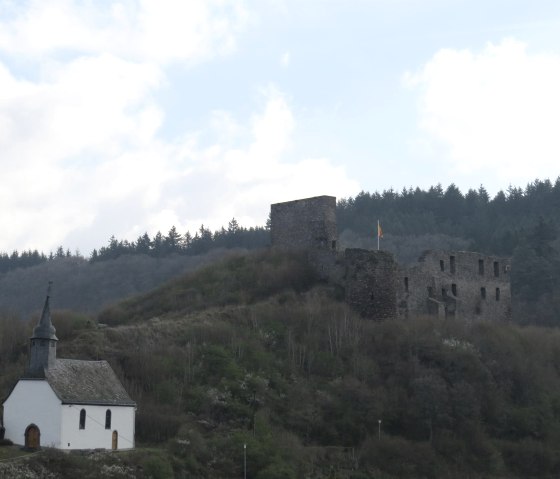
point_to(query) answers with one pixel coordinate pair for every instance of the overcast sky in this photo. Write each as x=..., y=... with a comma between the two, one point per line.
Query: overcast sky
x=120, y=117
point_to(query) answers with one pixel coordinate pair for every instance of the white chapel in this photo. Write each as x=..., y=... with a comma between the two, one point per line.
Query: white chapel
x=67, y=403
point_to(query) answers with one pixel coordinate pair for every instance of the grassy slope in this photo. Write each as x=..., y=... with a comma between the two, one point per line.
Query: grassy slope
x=255, y=351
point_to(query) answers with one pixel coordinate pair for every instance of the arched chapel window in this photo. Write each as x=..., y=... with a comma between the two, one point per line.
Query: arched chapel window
x=108, y=419
x=83, y=419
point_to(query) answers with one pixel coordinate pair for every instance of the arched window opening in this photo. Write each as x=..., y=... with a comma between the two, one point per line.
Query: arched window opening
x=83, y=419
x=108, y=419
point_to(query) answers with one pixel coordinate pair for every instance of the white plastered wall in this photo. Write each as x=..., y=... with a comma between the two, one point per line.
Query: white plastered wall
x=33, y=401
x=94, y=435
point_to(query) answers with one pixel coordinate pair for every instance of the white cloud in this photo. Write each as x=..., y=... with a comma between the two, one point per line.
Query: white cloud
x=160, y=31
x=496, y=113
x=80, y=128
x=285, y=59
x=243, y=181
x=78, y=121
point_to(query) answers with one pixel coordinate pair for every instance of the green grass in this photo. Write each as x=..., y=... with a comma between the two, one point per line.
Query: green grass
x=12, y=452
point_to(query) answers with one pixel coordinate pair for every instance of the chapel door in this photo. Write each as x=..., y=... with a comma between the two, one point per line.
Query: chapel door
x=32, y=437
x=115, y=442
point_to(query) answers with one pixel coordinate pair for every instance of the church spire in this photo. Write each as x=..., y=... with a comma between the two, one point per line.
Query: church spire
x=43, y=341
x=45, y=328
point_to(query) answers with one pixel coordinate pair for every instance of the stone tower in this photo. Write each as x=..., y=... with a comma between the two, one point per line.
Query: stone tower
x=308, y=224
x=43, y=342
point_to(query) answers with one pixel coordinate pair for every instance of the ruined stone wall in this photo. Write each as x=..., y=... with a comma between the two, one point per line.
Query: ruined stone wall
x=305, y=224
x=461, y=284
x=371, y=282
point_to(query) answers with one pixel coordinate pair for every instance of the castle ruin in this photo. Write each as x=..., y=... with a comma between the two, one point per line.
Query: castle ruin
x=446, y=284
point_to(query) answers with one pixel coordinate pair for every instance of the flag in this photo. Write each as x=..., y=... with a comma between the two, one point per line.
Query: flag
x=379, y=230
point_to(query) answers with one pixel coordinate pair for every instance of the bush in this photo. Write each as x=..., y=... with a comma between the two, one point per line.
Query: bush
x=69, y=323
x=529, y=458
x=400, y=457
x=277, y=470
x=154, y=427
x=157, y=467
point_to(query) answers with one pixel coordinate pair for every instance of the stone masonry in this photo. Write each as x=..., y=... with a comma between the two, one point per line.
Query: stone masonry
x=457, y=284
x=370, y=283
x=447, y=284
x=305, y=224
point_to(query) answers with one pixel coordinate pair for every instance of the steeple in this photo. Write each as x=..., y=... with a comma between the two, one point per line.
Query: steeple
x=43, y=341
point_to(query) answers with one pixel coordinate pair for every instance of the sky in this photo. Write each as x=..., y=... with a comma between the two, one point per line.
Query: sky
x=124, y=117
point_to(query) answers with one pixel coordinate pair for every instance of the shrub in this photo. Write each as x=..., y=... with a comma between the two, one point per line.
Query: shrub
x=277, y=470
x=157, y=467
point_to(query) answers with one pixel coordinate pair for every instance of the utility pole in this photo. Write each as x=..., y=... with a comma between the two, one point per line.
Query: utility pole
x=244, y=461
x=379, y=428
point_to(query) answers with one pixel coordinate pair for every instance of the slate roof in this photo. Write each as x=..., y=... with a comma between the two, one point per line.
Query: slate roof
x=87, y=382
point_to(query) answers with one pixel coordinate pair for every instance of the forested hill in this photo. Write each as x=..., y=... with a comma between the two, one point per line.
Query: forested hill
x=256, y=350
x=490, y=225
x=520, y=222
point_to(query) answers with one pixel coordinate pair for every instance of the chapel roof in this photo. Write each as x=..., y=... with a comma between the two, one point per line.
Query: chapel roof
x=87, y=382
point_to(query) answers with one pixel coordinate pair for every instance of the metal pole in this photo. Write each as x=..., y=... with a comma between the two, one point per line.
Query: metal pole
x=379, y=428
x=244, y=461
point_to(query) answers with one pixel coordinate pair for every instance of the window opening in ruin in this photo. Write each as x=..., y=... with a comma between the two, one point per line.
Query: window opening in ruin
x=441, y=265
x=83, y=419
x=430, y=292
x=483, y=293
x=452, y=264
x=406, y=284
x=443, y=292
x=480, y=266
x=454, y=289
x=496, y=269
x=371, y=296
x=497, y=294
x=333, y=244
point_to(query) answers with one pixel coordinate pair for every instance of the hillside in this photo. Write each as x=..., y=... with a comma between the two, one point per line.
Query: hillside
x=255, y=350
x=88, y=287
x=519, y=223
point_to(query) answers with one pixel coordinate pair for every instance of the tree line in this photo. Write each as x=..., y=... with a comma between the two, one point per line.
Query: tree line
x=28, y=258
x=492, y=225
x=203, y=241
x=158, y=246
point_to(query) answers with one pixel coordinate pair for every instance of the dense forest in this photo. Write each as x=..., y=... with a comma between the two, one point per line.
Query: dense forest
x=160, y=246
x=255, y=350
